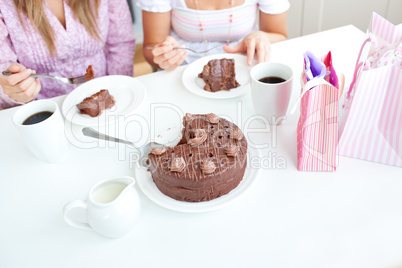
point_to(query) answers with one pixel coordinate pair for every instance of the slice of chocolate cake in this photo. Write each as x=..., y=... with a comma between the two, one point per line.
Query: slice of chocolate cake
x=90, y=74
x=209, y=161
x=219, y=75
x=95, y=104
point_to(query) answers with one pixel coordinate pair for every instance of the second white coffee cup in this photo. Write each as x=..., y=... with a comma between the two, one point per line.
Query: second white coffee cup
x=271, y=99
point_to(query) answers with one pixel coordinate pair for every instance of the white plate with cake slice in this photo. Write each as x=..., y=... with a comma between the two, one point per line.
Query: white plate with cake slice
x=148, y=187
x=128, y=92
x=196, y=85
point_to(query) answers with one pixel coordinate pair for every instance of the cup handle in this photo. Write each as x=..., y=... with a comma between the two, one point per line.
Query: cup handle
x=72, y=205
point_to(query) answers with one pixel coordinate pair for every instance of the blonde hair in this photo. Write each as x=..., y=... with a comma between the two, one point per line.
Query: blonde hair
x=86, y=11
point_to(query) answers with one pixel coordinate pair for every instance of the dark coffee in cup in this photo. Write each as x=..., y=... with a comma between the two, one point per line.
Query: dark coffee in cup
x=37, y=118
x=272, y=80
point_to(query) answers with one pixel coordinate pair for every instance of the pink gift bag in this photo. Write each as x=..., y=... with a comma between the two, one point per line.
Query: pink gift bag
x=317, y=129
x=370, y=121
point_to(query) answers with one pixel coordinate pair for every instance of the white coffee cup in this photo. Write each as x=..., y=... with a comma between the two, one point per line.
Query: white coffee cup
x=45, y=139
x=271, y=100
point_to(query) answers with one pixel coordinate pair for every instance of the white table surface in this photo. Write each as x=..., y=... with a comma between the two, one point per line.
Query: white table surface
x=348, y=218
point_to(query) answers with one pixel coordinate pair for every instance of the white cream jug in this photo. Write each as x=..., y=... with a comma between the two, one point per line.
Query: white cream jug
x=112, y=208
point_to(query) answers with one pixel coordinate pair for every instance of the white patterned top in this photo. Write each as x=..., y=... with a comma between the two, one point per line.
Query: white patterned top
x=217, y=25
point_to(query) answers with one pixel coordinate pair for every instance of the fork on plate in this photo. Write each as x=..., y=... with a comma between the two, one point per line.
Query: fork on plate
x=144, y=150
x=70, y=81
x=192, y=50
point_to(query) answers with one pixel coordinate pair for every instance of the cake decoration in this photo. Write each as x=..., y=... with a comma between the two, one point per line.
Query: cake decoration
x=236, y=134
x=188, y=116
x=158, y=151
x=207, y=166
x=200, y=136
x=213, y=118
x=178, y=164
x=232, y=150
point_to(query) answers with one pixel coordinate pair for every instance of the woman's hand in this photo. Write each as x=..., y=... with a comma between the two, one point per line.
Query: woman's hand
x=166, y=57
x=272, y=29
x=19, y=86
x=256, y=42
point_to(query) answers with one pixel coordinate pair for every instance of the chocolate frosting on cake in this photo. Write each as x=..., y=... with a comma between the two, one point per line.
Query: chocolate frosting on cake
x=211, y=169
x=219, y=75
x=95, y=104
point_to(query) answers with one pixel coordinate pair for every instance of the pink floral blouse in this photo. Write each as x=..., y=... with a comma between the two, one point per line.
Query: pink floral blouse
x=76, y=49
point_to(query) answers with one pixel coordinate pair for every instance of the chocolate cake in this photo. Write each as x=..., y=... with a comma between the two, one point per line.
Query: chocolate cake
x=95, y=104
x=90, y=74
x=208, y=162
x=219, y=75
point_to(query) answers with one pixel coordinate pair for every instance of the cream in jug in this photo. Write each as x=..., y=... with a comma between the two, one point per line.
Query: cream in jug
x=112, y=208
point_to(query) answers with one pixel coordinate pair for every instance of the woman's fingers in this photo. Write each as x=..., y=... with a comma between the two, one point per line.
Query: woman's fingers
x=178, y=60
x=168, y=58
x=31, y=90
x=160, y=50
x=165, y=56
x=164, y=47
x=260, y=48
x=170, y=40
x=235, y=49
x=26, y=85
x=19, y=86
x=16, y=78
x=174, y=61
x=37, y=88
x=250, y=43
x=255, y=43
x=16, y=67
x=267, y=52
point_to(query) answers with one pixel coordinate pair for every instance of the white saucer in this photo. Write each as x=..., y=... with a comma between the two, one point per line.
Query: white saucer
x=196, y=85
x=149, y=188
x=128, y=92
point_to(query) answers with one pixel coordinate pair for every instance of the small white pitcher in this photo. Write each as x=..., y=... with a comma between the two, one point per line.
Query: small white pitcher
x=112, y=208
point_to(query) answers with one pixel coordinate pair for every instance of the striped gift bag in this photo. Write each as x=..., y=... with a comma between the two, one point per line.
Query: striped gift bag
x=371, y=115
x=317, y=129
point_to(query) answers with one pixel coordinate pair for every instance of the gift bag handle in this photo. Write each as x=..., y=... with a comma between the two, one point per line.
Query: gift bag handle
x=358, y=66
x=306, y=87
